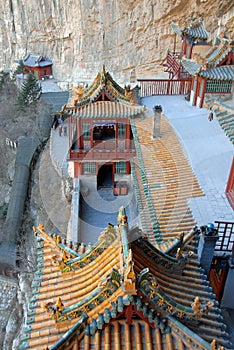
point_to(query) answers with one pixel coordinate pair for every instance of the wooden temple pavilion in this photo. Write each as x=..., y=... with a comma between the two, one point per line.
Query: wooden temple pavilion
x=99, y=130
x=39, y=66
x=213, y=72
x=193, y=38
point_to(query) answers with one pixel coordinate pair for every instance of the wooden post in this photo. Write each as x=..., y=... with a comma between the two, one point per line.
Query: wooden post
x=127, y=134
x=128, y=167
x=148, y=337
x=79, y=134
x=117, y=340
x=107, y=339
x=203, y=93
x=174, y=48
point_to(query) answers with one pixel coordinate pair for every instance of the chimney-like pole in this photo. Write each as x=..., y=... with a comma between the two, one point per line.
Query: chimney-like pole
x=156, y=121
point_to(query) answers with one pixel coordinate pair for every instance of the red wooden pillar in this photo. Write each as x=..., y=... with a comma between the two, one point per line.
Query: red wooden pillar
x=91, y=135
x=116, y=137
x=189, y=51
x=69, y=132
x=128, y=168
x=230, y=186
x=184, y=46
x=128, y=131
x=202, y=93
x=174, y=48
x=79, y=134
x=197, y=90
x=77, y=169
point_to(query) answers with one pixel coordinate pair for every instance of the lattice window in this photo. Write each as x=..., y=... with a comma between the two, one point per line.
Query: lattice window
x=89, y=168
x=121, y=130
x=86, y=130
x=120, y=168
x=217, y=86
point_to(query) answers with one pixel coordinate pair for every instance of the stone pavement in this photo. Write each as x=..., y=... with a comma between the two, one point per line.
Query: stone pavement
x=208, y=150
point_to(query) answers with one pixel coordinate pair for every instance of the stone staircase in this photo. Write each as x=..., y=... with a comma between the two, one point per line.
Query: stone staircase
x=224, y=113
x=225, y=117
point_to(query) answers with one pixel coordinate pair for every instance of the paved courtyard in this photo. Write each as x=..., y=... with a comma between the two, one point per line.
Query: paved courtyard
x=208, y=150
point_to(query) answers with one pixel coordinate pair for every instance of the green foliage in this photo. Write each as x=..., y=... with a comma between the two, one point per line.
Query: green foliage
x=29, y=93
x=3, y=211
x=19, y=69
x=3, y=76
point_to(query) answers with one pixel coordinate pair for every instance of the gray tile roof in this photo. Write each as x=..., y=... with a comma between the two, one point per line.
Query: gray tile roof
x=198, y=32
x=190, y=66
x=217, y=73
x=36, y=61
x=176, y=28
x=194, y=30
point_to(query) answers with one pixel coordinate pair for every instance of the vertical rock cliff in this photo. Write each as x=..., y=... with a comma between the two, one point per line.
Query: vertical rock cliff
x=81, y=35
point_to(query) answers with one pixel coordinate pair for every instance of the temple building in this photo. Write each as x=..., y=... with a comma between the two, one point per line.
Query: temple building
x=39, y=66
x=121, y=293
x=141, y=286
x=213, y=72
x=99, y=130
x=193, y=39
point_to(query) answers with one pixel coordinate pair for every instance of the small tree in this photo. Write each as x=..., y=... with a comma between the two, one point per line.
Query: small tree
x=19, y=69
x=3, y=78
x=29, y=93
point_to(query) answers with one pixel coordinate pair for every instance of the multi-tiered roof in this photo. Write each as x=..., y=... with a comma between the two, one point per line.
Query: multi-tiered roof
x=216, y=64
x=103, y=98
x=193, y=29
x=123, y=292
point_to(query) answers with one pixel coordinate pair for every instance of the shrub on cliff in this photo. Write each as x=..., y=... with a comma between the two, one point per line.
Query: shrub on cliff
x=29, y=92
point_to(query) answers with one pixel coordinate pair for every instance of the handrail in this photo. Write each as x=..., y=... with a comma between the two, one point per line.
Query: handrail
x=225, y=242
x=150, y=87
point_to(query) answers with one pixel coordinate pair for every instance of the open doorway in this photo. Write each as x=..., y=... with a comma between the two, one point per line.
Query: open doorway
x=105, y=176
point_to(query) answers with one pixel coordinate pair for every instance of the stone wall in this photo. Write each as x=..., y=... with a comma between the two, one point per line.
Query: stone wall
x=82, y=35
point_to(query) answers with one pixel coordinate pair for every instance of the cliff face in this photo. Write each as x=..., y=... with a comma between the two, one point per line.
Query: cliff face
x=82, y=35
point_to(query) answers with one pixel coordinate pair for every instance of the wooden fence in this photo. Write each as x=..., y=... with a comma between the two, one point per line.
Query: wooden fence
x=151, y=87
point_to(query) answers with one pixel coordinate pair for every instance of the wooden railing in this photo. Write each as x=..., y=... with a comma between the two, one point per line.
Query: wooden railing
x=151, y=87
x=225, y=242
x=103, y=150
x=172, y=64
x=230, y=186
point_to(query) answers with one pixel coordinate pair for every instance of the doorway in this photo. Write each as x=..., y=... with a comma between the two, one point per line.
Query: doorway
x=105, y=176
x=218, y=275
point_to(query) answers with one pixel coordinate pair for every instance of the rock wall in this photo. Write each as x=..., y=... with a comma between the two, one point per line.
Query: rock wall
x=82, y=35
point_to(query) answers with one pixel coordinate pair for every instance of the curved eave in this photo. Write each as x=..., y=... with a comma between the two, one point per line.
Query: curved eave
x=218, y=55
x=218, y=73
x=45, y=63
x=111, y=86
x=197, y=33
x=176, y=28
x=190, y=66
x=107, y=109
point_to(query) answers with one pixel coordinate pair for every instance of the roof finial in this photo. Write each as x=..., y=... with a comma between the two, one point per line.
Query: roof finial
x=122, y=217
x=103, y=76
x=129, y=275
